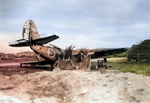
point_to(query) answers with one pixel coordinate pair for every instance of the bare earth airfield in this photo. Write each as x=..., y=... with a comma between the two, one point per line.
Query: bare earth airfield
x=77, y=85
x=65, y=86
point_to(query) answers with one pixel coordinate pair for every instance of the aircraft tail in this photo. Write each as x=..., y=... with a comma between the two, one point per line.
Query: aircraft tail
x=31, y=36
x=30, y=31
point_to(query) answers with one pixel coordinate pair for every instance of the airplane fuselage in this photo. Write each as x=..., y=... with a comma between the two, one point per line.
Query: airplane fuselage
x=47, y=52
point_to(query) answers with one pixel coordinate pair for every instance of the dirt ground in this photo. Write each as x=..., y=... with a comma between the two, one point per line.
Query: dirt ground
x=40, y=86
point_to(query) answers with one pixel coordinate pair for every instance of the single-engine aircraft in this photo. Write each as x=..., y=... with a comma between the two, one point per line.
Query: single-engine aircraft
x=31, y=37
x=53, y=55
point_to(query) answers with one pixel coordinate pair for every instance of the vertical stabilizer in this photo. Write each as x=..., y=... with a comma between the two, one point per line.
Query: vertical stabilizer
x=30, y=31
x=31, y=36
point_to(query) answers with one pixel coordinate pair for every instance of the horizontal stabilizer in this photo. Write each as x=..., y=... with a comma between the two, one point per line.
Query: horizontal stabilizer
x=19, y=43
x=45, y=40
x=40, y=41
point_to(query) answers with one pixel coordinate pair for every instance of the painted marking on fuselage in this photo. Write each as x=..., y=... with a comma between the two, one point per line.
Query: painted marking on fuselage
x=50, y=49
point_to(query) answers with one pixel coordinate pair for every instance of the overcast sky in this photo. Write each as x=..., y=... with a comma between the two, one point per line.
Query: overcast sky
x=83, y=23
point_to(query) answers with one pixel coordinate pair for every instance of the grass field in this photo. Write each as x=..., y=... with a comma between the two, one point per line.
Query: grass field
x=123, y=65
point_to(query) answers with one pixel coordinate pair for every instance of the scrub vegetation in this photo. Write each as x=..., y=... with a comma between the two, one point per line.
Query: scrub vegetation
x=135, y=60
x=124, y=66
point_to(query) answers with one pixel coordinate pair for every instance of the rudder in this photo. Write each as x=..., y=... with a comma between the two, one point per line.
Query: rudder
x=30, y=31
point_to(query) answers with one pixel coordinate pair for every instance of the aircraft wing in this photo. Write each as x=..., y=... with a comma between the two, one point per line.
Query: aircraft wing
x=38, y=63
x=108, y=51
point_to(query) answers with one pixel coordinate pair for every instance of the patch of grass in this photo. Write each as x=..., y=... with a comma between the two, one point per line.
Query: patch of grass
x=124, y=66
x=148, y=71
x=133, y=67
x=124, y=54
